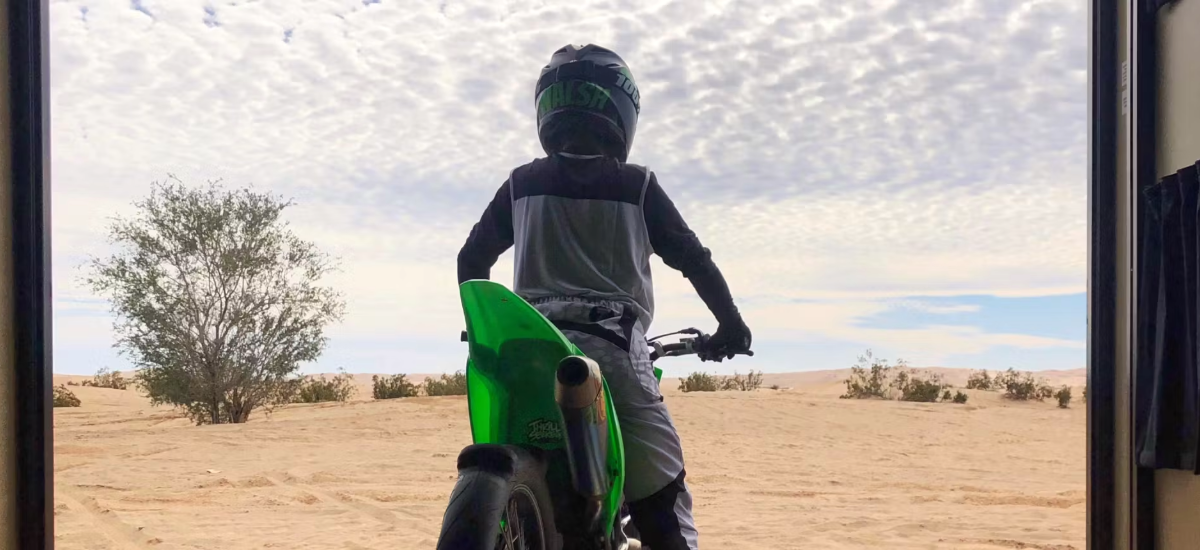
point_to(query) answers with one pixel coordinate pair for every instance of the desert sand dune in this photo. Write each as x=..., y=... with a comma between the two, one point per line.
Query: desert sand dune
x=797, y=468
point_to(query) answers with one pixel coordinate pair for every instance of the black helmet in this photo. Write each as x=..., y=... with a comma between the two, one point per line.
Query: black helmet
x=586, y=93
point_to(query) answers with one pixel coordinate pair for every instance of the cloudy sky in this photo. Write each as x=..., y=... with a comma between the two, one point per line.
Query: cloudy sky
x=907, y=176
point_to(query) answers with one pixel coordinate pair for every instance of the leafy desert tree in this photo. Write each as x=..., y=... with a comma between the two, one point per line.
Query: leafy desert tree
x=217, y=301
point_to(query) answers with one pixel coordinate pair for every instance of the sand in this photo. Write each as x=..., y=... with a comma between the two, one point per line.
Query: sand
x=793, y=468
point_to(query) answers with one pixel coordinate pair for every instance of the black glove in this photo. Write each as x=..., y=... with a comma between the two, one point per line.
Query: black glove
x=732, y=337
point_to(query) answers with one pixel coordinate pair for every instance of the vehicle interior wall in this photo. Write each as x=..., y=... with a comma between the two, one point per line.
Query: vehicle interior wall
x=1178, y=145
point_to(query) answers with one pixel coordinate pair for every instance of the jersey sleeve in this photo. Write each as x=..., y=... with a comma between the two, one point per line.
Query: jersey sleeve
x=670, y=236
x=681, y=249
x=491, y=237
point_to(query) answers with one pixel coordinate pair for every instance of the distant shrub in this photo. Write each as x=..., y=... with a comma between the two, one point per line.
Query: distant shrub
x=320, y=390
x=105, y=378
x=1004, y=379
x=699, y=381
x=65, y=398
x=455, y=384
x=869, y=378
x=980, y=380
x=737, y=382
x=959, y=397
x=702, y=381
x=395, y=386
x=1022, y=386
x=1085, y=393
x=946, y=395
x=72, y=383
x=919, y=388
x=775, y=387
x=754, y=381
x=1064, y=397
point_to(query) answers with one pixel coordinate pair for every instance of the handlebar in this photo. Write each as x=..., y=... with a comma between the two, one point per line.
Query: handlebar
x=685, y=346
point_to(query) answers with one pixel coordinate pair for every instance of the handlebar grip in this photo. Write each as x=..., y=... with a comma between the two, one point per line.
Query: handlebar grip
x=745, y=352
x=672, y=348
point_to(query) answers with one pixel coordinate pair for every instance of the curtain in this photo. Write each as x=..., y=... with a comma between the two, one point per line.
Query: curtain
x=1153, y=6
x=1167, y=372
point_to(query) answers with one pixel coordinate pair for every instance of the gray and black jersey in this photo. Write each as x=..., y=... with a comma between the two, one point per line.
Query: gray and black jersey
x=585, y=227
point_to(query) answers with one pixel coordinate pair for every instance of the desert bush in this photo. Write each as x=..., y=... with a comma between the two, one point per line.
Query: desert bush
x=775, y=387
x=737, y=382
x=320, y=390
x=395, y=386
x=946, y=395
x=980, y=380
x=1085, y=394
x=455, y=384
x=105, y=378
x=72, y=383
x=1022, y=386
x=754, y=381
x=1063, y=395
x=919, y=388
x=959, y=397
x=869, y=378
x=217, y=301
x=699, y=381
x=65, y=398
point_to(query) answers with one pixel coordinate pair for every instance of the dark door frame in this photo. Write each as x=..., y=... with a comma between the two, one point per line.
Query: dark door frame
x=1103, y=108
x=29, y=86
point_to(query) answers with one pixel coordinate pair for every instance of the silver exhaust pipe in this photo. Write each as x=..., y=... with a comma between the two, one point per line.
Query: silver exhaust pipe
x=579, y=392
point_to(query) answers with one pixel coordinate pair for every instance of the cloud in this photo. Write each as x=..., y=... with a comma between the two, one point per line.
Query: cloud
x=860, y=151
x=937, y=309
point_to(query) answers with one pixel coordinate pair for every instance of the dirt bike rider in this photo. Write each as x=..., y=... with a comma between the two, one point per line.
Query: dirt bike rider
x=584, y=223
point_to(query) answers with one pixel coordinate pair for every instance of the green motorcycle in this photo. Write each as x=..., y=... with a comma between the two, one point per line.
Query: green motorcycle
x=547, y=467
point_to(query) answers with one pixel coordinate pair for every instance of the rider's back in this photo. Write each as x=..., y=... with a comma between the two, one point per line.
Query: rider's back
x=579, y=230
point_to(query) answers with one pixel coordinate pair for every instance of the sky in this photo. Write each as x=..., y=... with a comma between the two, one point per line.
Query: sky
x=902, y=176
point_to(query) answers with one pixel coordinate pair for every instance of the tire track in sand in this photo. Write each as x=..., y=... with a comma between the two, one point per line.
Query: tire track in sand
x=121, y=534
x=355, y=504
